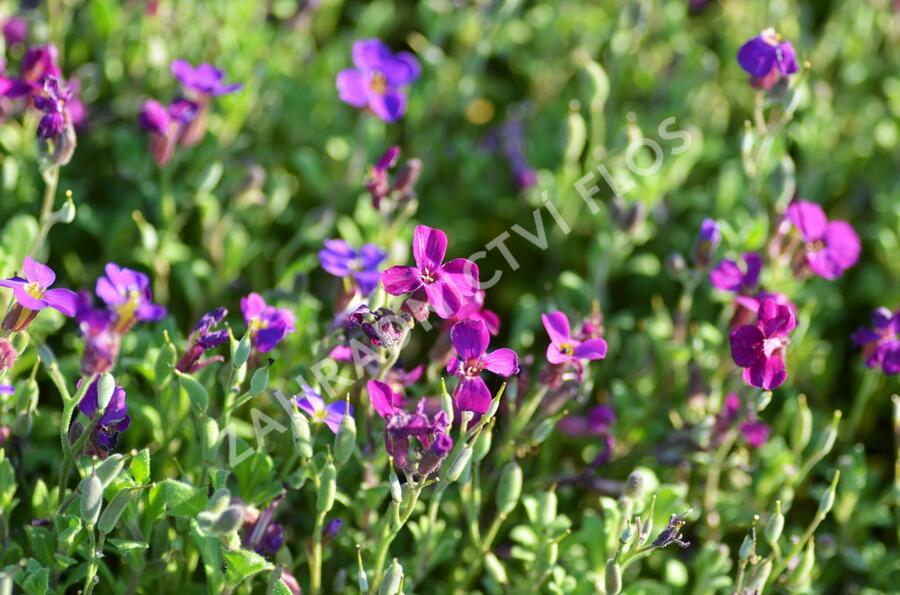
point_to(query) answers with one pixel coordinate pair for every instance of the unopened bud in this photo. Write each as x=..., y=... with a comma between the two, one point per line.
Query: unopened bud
x=547, y=503
x=345, y=439
x=327, y=488
x=775, y=525
x=91, y=499
x=483, y=444
x=301, y=435
x=196, y=392
x=66, y=213
x=446, y=402
x=106, y=386
x=801, y=429
x=635, y=486
x=828, y=436
x=455, y=469
x=394, y=485
x=110, y=517
x=495, y=568
x=613, y=577
x=240, y=352
x=362, y=579
x=509, y=489
x=392, y=579
x=827, y=499
x=259, y=381
x=627, y=534
x=109, y=469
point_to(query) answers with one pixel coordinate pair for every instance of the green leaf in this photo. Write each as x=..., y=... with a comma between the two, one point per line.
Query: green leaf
x=37, y=579
x=241, y=565
x=281, y=589
x=196, y=392
x=178, y=498
x=211, y=554
x=140, y=466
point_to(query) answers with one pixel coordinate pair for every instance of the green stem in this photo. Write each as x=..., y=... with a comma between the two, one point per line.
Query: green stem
x=860, y=404
x=782, y=564
x=392, y=532
x=425, y=549
x=315, y=558
x=51, y=179
x=93, y=561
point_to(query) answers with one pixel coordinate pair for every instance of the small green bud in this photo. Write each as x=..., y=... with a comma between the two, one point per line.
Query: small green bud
x=229, y=520
x=495, y=568
x=759, y=578
x=748, y=547
x=547, y=503
x=362, y=579
x=91, y=499
x=613, y=577
x=634, y=486
x=327, y=488
x=165, y=362
x=454, y=470
x=345, y=440
x=495, y=404
x=392, y=578
x=196, y=392
x=240, y=352
x=509, y=489
x=801, y=429
x=800, y=577
x=259, y=381
x=627, y=534
x=66, y=213
x=775, y=525
x=543, y=430
x=446, y=402
x=109, y=469
x=106, y=386
x=828, y=436
x=301, y=435
x=483, y=443
x=110, y=517
x=827, y=499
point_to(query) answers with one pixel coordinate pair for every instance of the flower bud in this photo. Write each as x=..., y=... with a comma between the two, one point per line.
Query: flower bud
x=345, y=440
x=196, y=392
x=392, y=578
x=827, y=499
x=635, y=486
x=483, y=444
x=106, y=386
x=259, y=381
x=219, y=501
x=240, y=352
x=110, y=517
x=64, y=144
x=509, y=489
x=109, y=469
x=301, y=435
x=495, y=404
x=613, y=577
x=800, y=577
x=801, y=429
x=91, y=499
x=627, y=534
x=229, y=520
x=327, y=488
x=828, y=436
x=775, y=525
x=165, y=362
x=547, y=502
x=66, y=213
x=543, y=430
x=446, y=403
x=495, y=568
x=455, y=470
x=748, y=547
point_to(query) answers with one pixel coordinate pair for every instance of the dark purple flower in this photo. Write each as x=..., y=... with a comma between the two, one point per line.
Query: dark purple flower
x=339, y=259
x=706, y=243
x=767, y=59
x=33, y=294
x=260, y=533
x=431, y=445
x=672, y=533
x=38, y=63
x=384, y=400
x=473, y=309
x=114, y=418
x=445, y=285
x=205, y=79
x=377, y=80
x=755, y=432
x=333, y=528
x=759, y=348
x=831, y=246
x=53, y=103
x=15, y=31
x=470, y=340
x=202, y=339
x=728, y=276
x=880, y=344
x=128, y=293
x=563, y=347
x=314, y=405
x=268, y=325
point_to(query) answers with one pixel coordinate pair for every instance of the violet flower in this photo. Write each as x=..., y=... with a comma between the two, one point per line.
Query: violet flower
x=128, y=293
x=314, y=405
x=377, y=182
x=831, y=246
x=165, y=125
x=706, y=243
x=260, y=533
x=33, y=294
x=341, y=260
x=759, y=348
x=444, y=285
x=205, y=79
x=470, y=340
x=38, y=63
x=268, y=325
x=53, y=103
x=101, y=341
x=377, y=80
x=6, y=389
x=202, y=339
x=384, y=399
x=563, y=347
x=767, y=59
x=880, y=344
x=755, y=432
x=728, y=275
x=114, y=418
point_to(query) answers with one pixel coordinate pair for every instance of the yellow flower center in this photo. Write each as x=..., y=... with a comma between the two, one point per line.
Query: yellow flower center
x=258, y=324
x=567, y=349
x=127, y=310
x=320, y=415
x=378, y=84
x=34, y=290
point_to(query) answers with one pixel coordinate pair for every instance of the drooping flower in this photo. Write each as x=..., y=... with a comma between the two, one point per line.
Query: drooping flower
x=672, y=533
x=728, y=275
x=203, y=338
x=165, y=125
x=759, y=348
x=470, y=340
x=432, y=442
x=563, y=347
x=444, y=285
x=38, y=63
x=881, y=344
x=767, y=59
x=831, y=246
x=113, y=420
x=314, y=405
x=33, y=294
x=473, y=309
x=706, y=243
x=205, y=79
x=128, y=293
x=341, y=260
x=268, y=325
x=378, y=79
x=384, y=399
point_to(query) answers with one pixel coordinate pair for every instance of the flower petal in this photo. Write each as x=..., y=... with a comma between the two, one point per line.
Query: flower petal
x=389, y=106
x=401, y=69
x=757, y=57
x=444, y=298
x=24, y=298
x=809, y=218
x=401, y=279
x=557, y=326
x=429, y=247
x=470, y=338
x=842, y=243
x=64, y=300
x=38, y=273
x=472, y=394
x=746, y=344
x=591, y=349
x=352, y=87
x=767, y=373
x=462, y=274
x=382, y=398
x=503, y=362
x=370, y=54
x=555, y=356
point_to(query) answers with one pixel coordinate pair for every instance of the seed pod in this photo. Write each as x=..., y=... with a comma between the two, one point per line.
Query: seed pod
x=196, y=392
x=301, y=435
x=828, y=436
x=229, y=520
x=362, y=579
x=635, y=485
x=454, y=470
x=106, y=386
x=827, y=499
x=345, y=440
x=760, y=577
x=495, y=568
x=546, y=557
x=627, y=534
x=543, y=430
x=494, y=406
x=547, y=502
x=613, y=577
x=110, y=517
x=165, y=363
x=801, y=429
x=446, y=403
x=509, y=489
x=392, y=578
x=259, y=381
x=327, y=488
x=775, y=525
x=109, y=469
x=91, y=499
x=240, y=352
x=483, y=444
x=800, y=577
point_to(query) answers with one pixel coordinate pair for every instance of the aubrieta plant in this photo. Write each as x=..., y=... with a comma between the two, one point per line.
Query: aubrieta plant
x=576, y=300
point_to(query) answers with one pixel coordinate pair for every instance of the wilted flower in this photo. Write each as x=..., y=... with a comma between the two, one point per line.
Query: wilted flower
x=672, y=533
x=470, y=340
x=759, y=348
x=377, y=80
x=114, y=418
x=563, y=347
x=268, y=325
x=767, y=59
x=383, y=327
x=260, y=533
x=880, y=343
x=314, y=405
x=831, y=246
x=202, y=339
x=128, y=293
x=728, y=276
x=339, y=259
x=431, y=434
x=205, y=79
x=33, y=294
x=445, y=285
x=706, y=243
x=53, y=102
x=8, y=355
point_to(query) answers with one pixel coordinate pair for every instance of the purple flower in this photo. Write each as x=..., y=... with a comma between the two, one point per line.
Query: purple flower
x=384, y=400
x=432, y=443
x=596, y=424
x=128, y=293
x=202, y=339
x=260, y=533
x=53, y=103
x=755, y=432
x=33, y=294
x=205, y=79
x=767, y=59
x=759, y=348
x=377, y=176
x=563, y=347
x=672, y=533
x=6, y=389
x=706, y=243
x=166, y=125
x=473, y=309
x=445, y=285
x=268, y=325
x=15, y=31
x=38, y=63
x=470, y=340
x=728, y=276
x=331, y=415
x=114, y=419
x=831, y=246
x=8, y=355
x=880, y=343
x=333, y=528
x=377, y=79
x=339, y=259
x=101, y=341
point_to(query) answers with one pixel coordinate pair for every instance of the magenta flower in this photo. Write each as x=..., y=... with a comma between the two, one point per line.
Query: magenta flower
x=831, y=246
x=755, y=432
x=339, y=259
x=33, y=294
x=377, y=80
x=470, y=340
x=268, y=325
x=128, y=293
x=205, y=79
x=114, y=419
x=563, y=347
x=445, y=285
x=101, y=341
x=15, y=31
x=377, y=182
x=165, y=125
x=38, y=63
x=384, y=400
x=260, y=533
x=759, y=348
x=728, y=275
x=767, y=59
x=473, y=309
x=202, y=339
x=880, y=344
x=431, y=444
x=8, y=356
x=314, y=405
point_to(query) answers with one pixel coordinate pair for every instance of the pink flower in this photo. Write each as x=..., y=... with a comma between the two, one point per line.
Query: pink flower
x=831, y=246
x=563, y=347
x=759, y=348
x=470, y=339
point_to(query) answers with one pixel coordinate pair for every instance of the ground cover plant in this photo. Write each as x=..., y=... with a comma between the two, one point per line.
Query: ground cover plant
x=449, y=297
